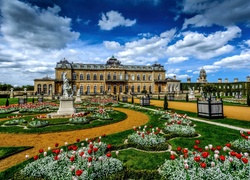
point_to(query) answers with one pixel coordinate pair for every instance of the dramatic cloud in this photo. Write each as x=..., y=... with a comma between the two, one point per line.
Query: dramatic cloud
x=175, y=60
x=225, y=13
x=24, y=25
x=235, y=62
x=204, y=47
x=112, y=45
x=114, y=19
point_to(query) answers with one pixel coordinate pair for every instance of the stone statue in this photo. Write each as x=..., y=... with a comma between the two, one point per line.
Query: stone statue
x=67, y=90
x=191, y=92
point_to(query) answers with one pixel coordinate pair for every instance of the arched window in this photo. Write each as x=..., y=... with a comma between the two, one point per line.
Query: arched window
x=95, y=89
x=149, y=77
x=39, y=89
x=126, y=88
x=101, y=89
x=133, y=89
x=88, y=76
x=88, y=89
x=150, y=89
x=81, y=89
x=133, y=77
x=101, y=76
x=109, y=77
x=45, y=89
x=144, y=87
x=81, y=76
x=120, y=88
x=159, y=77
x=50, y=89
x=138, y=88
x=114, y=76
x=144, y=77
x=74, y=76
x=138, y=77
x=95, y=77
x=120, y=76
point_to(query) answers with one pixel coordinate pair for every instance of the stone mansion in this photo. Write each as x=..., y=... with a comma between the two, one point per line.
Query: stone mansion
x=116, y=78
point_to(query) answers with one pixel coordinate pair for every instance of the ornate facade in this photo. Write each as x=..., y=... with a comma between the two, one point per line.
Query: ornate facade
x=112, y=77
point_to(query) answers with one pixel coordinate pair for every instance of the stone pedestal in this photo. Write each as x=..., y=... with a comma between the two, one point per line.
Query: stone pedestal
x=78, y=99
x=66, y=106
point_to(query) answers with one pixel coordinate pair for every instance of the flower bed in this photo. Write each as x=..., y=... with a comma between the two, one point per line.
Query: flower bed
x=15, y=122
x=206, y=163
x=242, y=144
x=37, y=123
x=181, y=130
x=79, y=120
x=148, y=136
x=87, y=162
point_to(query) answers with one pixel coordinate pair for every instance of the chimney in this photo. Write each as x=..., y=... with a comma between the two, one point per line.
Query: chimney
x=189, y=80
x=236, y=79
x=219, y=80
x=226, y=80
x=174, y=76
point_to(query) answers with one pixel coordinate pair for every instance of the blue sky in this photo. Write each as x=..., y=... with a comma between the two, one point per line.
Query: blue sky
x=182, y=35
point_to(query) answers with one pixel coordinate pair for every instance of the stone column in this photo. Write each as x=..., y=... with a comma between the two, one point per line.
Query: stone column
x=11, y=92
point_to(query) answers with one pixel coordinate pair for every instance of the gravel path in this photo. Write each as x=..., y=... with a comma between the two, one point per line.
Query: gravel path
x=44, y=141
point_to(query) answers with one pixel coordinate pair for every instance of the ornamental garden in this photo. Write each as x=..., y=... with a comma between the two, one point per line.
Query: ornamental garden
x=170, y=145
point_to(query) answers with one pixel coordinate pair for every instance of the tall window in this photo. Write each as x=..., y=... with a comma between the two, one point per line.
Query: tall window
x=159, y=88
x=133, y=77
x=101, y=89
x=74, y=88
x=81, y=76
x=109, y=77
x=95, y=77
x=88, y=76
x=120, y=88
x=74, y=76
x=109, y=88
x=45, y=88
x=126, y=76
x=101, y=77
x=39, y=89
x=50, y=89
x=95, y=89
x=133, y=89
x=126, y=88
x=150, y=89
x=144, y=87
x=114, y=76
x=81, y=89
x=159, y=77
x=138, y=77
x=138, y=88
x=88, y=89
x=144, y=77
x=149, y=77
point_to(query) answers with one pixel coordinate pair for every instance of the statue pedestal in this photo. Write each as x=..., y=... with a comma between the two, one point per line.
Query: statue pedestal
x=78, y=99
x=66, y=106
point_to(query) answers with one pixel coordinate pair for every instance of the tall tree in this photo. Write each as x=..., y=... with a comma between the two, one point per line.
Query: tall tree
x=165, y=103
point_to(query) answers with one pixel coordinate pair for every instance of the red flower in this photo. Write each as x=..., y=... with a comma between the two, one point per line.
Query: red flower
x=197, y=141
x=218, y=148
x=185, y=151
x=245, y=160
x=56, y=158
x=222, y=158
x=90, y=151
x=172, y=157
x=91, y=146
x=200, y=149
x=228, y=145
x=239, y=156
x=89, y=159
x=196, y=147
x=72, y=158
x=108, y=154
x=40, y=150
x=95, y=149
x=179, y=148
x=233, y=153
x=79, y=172
x=77, y=140
x=243, y=135
x=104, y=135
x=197, y=158
x=109, y=146
x=205, y=154
x=203, y=165
x=56, y=144
x=248, y=132
x=81, y=153
x=36, y=157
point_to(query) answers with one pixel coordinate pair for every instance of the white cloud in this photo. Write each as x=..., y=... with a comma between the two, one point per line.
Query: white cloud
x=24, y=25
x=220, y=12
x=204, y=47
x=112, y=45
x=236, y=61
x=175, y=60
x=114, y=19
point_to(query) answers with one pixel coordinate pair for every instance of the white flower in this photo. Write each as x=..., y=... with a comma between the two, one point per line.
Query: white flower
x=206, y=147
x=216, y=156
x=216, y=152
x=210, y=146
x=86, y=139
x=186, y=166
x=72, y=168
x=246, y=154
x=225, y=148
x=212, y=164
x=185, y=161
x=82, y=144
x=117, y=153
x=172, y=152
x=241, y=131
x=49, y=148
x=230, y=159
x=66, y=143
x=89, y=164
x=61, y=150
x=100, y=143
x=45, y=153
x=27, y=156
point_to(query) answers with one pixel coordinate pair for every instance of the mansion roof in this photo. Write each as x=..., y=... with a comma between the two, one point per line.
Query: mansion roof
x=112, y=63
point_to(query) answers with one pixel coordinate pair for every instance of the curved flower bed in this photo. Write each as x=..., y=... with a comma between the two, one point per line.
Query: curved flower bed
x=210, y=163
x=15, y=122
x=87, y=162
x=181, y=130
x=146, y=137
x=37, y=123
x=243, y=143
x=79, y=120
